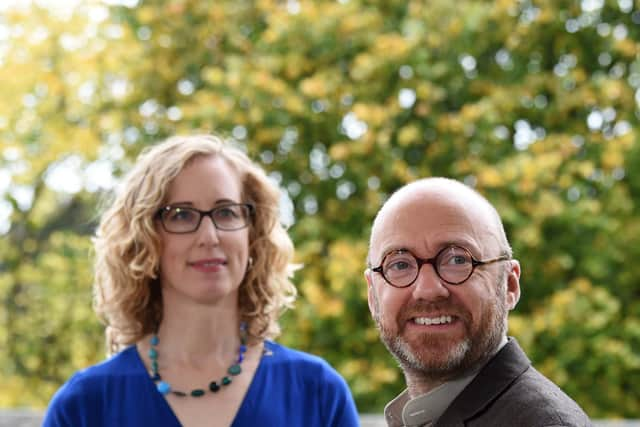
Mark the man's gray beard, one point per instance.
(401, 351)
(464, 356)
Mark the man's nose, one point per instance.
(428, 285)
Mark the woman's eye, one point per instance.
(181, 215)
(226, 213)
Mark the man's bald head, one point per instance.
(450, 192)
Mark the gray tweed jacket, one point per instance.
(509, 392)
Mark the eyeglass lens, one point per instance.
(177, 219)
(453, 264)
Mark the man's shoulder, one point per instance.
(534, 397)
(509, 391)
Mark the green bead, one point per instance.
(197, 392)
(164, 387)
(235, 370)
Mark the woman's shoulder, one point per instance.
(302, 363)
(280, 353)
(125, 362)
(120, 365)
(84, 395)
(320, 393)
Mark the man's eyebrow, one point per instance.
(465, 243)
(394, 248)
(438, 246)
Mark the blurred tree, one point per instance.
(534, 103)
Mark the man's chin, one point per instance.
(443, 360)
(431, 356)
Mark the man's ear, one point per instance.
(368, 276)
(513, 284)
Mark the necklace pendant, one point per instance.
(234, 369)
(163, 387)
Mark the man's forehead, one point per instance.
(443, 211)
(419, 199)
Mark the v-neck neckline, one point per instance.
(167, 407)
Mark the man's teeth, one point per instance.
(432, 320)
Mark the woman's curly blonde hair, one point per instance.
(127, 293)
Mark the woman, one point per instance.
(192, 273)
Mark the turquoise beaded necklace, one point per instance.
(165, 388)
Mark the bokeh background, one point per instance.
(533, 102)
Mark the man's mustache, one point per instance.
(421, 308)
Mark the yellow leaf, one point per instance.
(409, 135)
(489, 177)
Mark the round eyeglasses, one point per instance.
(182, 219)
(453, 264)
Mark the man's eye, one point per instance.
(457, 260)
(399, 265)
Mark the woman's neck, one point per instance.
(198, 334)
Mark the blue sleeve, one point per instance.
(339, 408)
(66, 408)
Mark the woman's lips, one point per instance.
(210, 265)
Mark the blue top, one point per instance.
(289, 388)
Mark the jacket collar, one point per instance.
(507, 365)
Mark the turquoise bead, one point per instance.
(163, 387)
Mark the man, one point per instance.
(441, 281)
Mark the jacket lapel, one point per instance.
(488, 385)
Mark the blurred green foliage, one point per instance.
(534, 103)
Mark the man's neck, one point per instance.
(419, 383)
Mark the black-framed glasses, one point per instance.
(453, 264)
(184, 219)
